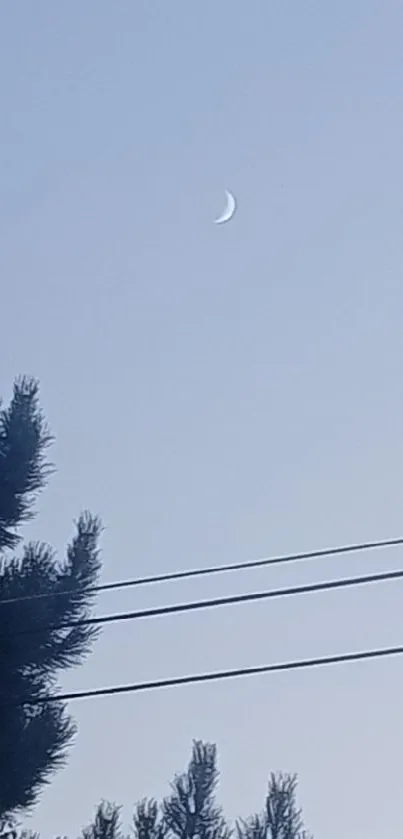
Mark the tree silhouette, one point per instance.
(33, 647)
(190, 811)
(281, 818)
(106, 824)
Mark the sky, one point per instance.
(217, 394)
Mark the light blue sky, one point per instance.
(217, 394)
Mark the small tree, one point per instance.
(191, 810)
(281, 819)
(106, 824)
(34, 737)
(147, 823)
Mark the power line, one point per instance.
(220, 675)
(215, 569)
(217, 601)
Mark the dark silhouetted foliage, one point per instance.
(34, 738)
(191, 810)
(281, 818)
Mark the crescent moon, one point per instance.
(229, 209)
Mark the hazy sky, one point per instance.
(217, 394)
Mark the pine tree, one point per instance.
(147, 822)
(34, 737)
(106, 824)
(191, 811)
(281, 818)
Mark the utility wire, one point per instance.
(215, 569)
(216, 601)
(219, 675)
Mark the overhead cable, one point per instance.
(219, 675)
(214, 569)
(197, 605)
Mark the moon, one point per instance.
(229, 210)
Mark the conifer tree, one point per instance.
(281, 817)
(34, 732)
(191, 810)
